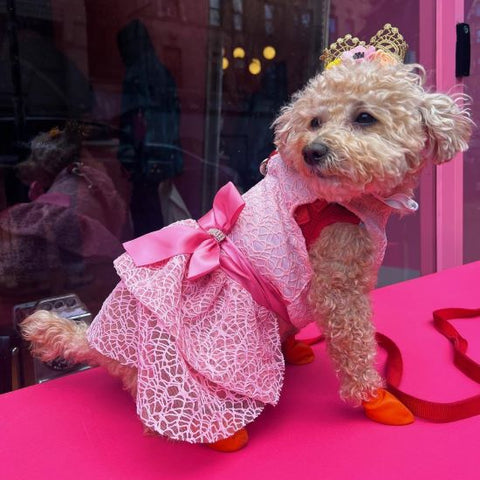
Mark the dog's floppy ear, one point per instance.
(282, 126)
(447, 124)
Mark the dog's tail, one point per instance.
(52, 337)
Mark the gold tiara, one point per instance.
(388, 39)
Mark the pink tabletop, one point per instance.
(84, 425)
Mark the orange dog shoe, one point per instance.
(387, 409)
(231, 444)
(297, 352)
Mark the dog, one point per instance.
(205, 312)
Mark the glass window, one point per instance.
(214, 14)
(120, 117)
(268, 13)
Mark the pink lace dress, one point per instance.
(208, 355)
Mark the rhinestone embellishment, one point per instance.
(217, 234)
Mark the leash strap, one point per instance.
(436, 411)
(433, 411)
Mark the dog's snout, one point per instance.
(314, 153)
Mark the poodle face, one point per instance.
(367, 128)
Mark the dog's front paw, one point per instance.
(387, 409)
(297, 352)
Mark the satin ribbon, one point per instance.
(205, 245)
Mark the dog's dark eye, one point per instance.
(315, 123)
(365, 119)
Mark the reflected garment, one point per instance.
(208, 356)
(80, 218)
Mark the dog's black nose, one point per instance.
(314, 153)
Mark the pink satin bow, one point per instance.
(205, 244)
(202, 243)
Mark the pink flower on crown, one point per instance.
(359, 54)
(384, 58)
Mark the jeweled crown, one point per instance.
(387, 39)
(344, 44)
(390, 40)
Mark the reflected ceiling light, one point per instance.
(255, 66)
(225, 63)
(269, 52)
(238, 52)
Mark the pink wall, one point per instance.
(471, 185)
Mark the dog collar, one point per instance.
(398, 201)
